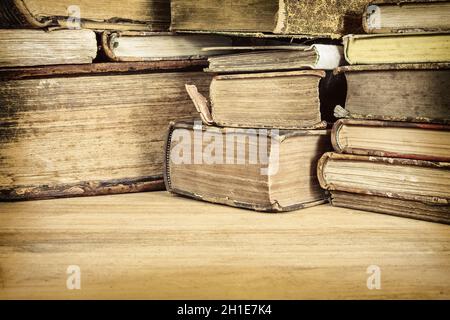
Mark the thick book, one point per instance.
(310, 18)
(283, 100)
(154, 46)
(262, 170)
(421, 141)
(397, 48)
(144, 15)
(404, 179)
(396, 207)
(405, 92)
(276, 58)
(27, 47)
(404, 17)
(101, 131)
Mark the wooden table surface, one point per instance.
(157, 246)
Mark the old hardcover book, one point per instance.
(406, 92)
(262, 170)
(404, 179)
(283, 100)
(396, 207)
(311, 18)
(149, 15)
(100, 132)
(407, 17)
(397, 48)
(420, 141)
(276, 58)
(153, 46)
(23, 48)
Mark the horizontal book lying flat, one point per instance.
(275, 58)
(312, 18)
(421, 141)
(396, 207)
(404, 179)
(259, 170)
(146, 46)
(27, 47)
(150, 15)
(408, 92)
(284, 100)
(397, 48)
(407, 17)
(83, 135)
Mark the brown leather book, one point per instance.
(311, 18)
(143, 15)
(262, 170)
(396, 207)
(420, 141)
(404, 179)
(397, 92)
(89, 130)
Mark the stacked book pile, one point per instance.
(84, 112)
(231, 102)
(392, 149)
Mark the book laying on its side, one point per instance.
(274, 58)
(404, 179)
(27, 47)
(310, 18)
(149, 15)
(421, 141)
(265, 170)
(284, 100)
(69, 134)
(396, 207)
(152, 46)
(406, 92)
(397, 48)
(407, 17)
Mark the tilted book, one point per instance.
(82, 131)
(397, 92)
(262, 170)
(145, 15)
(421, 141)
(28, 47)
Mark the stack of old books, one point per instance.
(262, 130)
(75, 121)
(393, 147)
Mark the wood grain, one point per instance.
(153, 245)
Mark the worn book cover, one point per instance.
(262, 170)
(405, 179)
(397, 92)
(68, 131)
(420, 141)
(145, 15)
(28, 47)
(396, 207)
